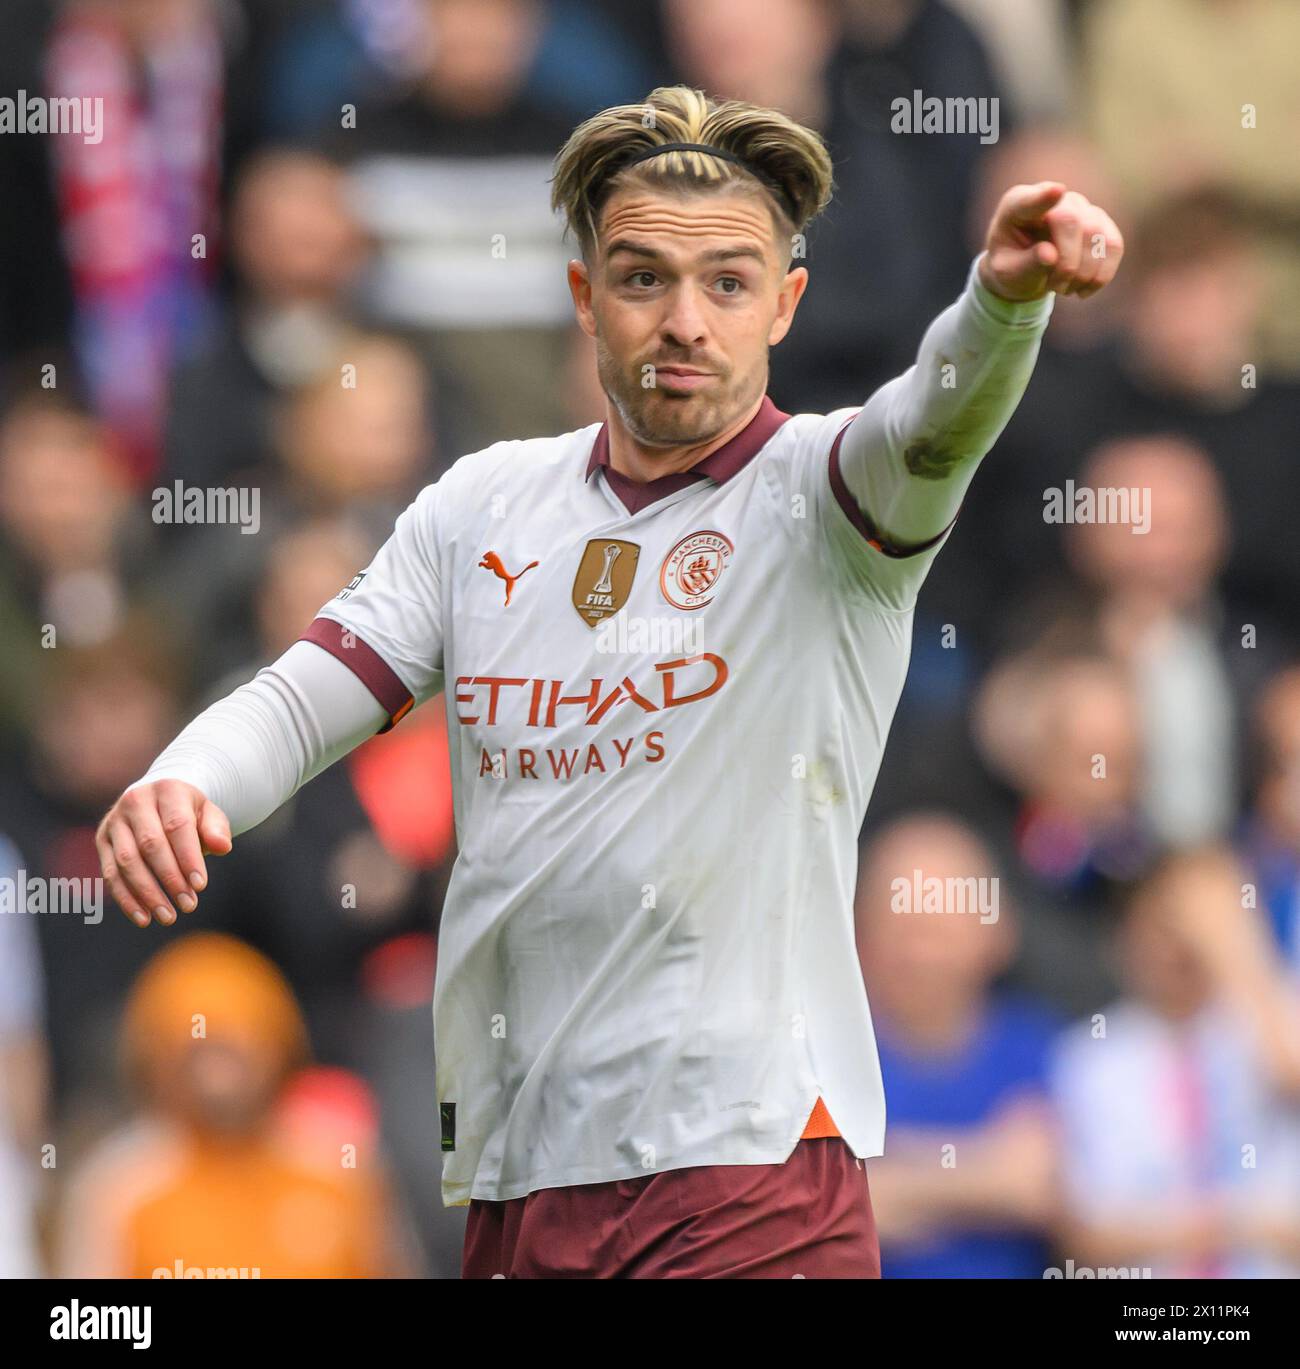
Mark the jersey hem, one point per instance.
(460, 1194)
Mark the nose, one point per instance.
(683, 325)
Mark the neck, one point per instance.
(642, 462)
(225, 1145)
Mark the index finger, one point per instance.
(1026, 204)
(180, 823)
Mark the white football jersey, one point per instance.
(666, 721)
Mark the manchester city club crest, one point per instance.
(691, 571)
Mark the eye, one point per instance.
(642, 279)
(730, 285)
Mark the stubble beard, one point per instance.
(657, 419)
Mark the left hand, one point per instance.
(1044, 237)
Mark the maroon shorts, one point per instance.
(807, 1218)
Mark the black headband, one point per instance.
(656, 149)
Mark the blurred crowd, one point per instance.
(312, 259)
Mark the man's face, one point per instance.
(224, 1087)
(684, 296)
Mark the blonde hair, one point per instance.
(777, 154)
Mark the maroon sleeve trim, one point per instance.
(855, 515)
(366, 664)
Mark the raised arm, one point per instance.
(907, 458)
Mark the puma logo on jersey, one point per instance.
(491, 561)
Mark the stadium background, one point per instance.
(414, 242)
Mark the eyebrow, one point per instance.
(640, 249)
(636, 249)
(727, 253)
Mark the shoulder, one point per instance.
(517, 468)
(797, 455)
(516, 463)
(131, 1167)
(485, 483)
(133, 1163)
(811, 433)
(803, 443)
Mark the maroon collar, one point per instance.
(729, 459)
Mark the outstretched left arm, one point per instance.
(907, 458)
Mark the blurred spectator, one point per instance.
(71, 551)
(303, 566)
(308, 566)
(1061, 727)
(1147, 560)
(451, 179)
(966, 1186)
(23, 1074)
(134, 202)
(597, 53)
(106, 712)
(354, 435)
(1065, 733)
(589, 54)
(1203, 92)
(1028, 42)
(328, 53)
(353, 438)
(1156, 610)
(35, 293)
(211, 1177)
(296, 250)
(1181, 1149)
(1194, 297)
(774, 54)
(1272, 837)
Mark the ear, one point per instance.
(787, 301)
(580, 289)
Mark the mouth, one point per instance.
(681, 378)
